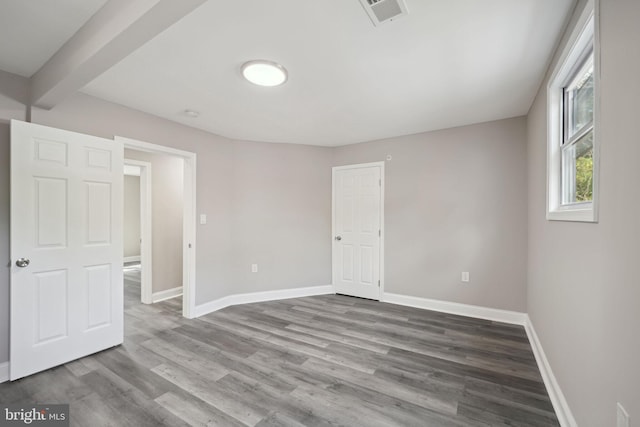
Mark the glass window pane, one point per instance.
(581, 100)
(577, 171)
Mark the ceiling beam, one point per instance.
(115, 31)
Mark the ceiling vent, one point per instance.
(382, 11)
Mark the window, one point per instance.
(577, 136)
(572, 154)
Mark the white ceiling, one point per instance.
(448, 63)
(31, 31)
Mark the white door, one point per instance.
(66, 246)
(357, 230)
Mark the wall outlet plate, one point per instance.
(254, 268)
(465, 276)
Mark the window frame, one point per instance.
(585, 62)
(569, 141)
(582, 43)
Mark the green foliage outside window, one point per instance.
(584, 177)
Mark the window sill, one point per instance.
(574, 215)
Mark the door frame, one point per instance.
(188, 217)
(335, 169)
(146, 234)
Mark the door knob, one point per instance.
(338, 238)
(22, 262)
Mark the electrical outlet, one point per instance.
(465, 276)
(203, 219)
(623, 417)
(254, 268)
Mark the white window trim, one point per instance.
(584, 32)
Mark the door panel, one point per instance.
(366, 264)
(347, 263)
(98, 295)
(66, 219)
(98, 217)
(357, 205)
(51, 212)
(51, 294)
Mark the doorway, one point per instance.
(138, 235)
(188, 203)
(358, 235)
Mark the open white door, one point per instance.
(357, 230)
(66, 246)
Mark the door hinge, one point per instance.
(189, 245)
(379, 233)
(378, 283)
(380, 183)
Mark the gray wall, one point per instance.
(131, 217)
(281, 198)
(14, 94)
(167, 190)
(455, 200)
(583, 289)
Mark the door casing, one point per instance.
(189, 217)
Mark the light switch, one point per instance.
(203, 218)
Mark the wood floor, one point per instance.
(317, 361)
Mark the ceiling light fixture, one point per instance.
(264, 73)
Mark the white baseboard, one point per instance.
(560, 405)
(227, 301)
(505, 316)
(165, 295)
(4, 372)
(131, 258)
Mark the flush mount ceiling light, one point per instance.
(264, 73)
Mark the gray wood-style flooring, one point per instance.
(317, 361)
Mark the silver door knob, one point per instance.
(22, 262)
(338, 238)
